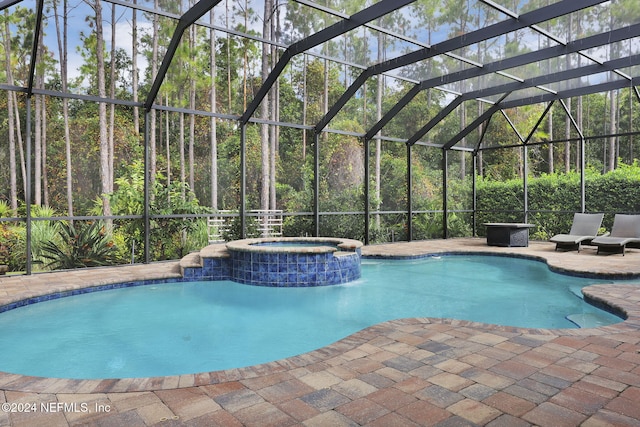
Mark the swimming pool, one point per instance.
(176, 328)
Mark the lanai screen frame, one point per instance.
(513, 22)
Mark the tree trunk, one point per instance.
(183, 171)
(613, 128)
(112, 94)
(378, 159)
(152, 114)
(192, 106)
(40, 122)
(567, 124)
(613, 106)
(264, 109)
(12, 157)
(37, 152)
(134, 68)
(304, 105)
(275, 113)
(463, 160)
(45, 179)
(550, 158)
(62, 49)
(521, 154)
(192, 137)
(567, 144)
(105, 173)
(167, 141)
(579, 118)
(479, 171)
(631, 125)
(579, 121)
(229, 105)
(245, 63)
(13, 178)
(213, 123)
(325, 91)
(550, 137)
(20, 140)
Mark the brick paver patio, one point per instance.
(409, 372)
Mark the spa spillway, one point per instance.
(295, 261)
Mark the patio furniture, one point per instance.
(625, 231)
(510, 234)
(583, 230)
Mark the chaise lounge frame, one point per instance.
(584, 229)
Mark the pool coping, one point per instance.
(623, 299)
(253, 245)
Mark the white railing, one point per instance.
(269, 223)
(217, 225)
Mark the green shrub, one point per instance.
(170, 238)
(12, 241)
(83, 245)
(42, 231)
(553, 198)
(12, 246)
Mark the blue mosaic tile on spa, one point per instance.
(192, 272)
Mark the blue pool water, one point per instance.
(180, 328)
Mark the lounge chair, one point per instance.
(625, 231)
(583, 230)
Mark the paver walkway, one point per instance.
(400, 373)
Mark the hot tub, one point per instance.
(295, 261)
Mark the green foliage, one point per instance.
(427, 226)
(5, 209)
(459, 224)
(42, 231)
(12, 241)
(616, 191)
(198, 238)
(12, 247)
(497, 200)
(170, 237)
(234, 231)
(298, 226)
(555, 197)
(348, 226)
(84, 245)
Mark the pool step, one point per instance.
(589, 320)
(577, 291)
(191, 260)
(215, 250)
(210, 263)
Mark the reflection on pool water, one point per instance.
(179, 328)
